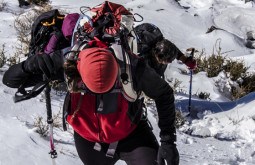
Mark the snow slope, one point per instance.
(222, 133)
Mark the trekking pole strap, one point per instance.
(22, 94)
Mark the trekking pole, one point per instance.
(52, 152)
(190, 87)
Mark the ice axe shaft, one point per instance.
(190, 86)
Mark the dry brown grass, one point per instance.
(246, 85)
(203, 95)
(39, 2)
(23, 25)
(41, 125)
(179, 119)
(236, 69)
(2, 56)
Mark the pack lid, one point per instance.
(98, 69)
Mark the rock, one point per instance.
(250, 35)
(250, 44)
(253, 117)
(202, 132)
(248, 1)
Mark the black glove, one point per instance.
(168, 151)
(44, 64)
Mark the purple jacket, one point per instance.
(67, 30)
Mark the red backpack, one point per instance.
(112, 116)
(111, 24)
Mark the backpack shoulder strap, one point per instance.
(125, 67)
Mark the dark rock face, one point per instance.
(250, 41)
(249, 1)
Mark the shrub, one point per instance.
(236, 69)
(179, 120)
(57, 119)
(201, 62)
(15, 59)
(204, 95)
(42, 126)
(2, 56)
(175, 85)
(246, 85)
(39, 2)
(213, 65)
(23, 25)
(241, 82)
(2, 5)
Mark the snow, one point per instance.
(220, 132)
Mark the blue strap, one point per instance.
(75, 28)
(77, 23)
(90, 21)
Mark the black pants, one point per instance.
(139, 148)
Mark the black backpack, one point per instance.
(148, 35)
(45, 25)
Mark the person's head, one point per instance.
(98, 69)
(164, 51)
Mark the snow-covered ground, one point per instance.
(222, 133)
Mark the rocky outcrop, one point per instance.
(250, 41)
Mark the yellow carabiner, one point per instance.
(61, 16)
(47, 23)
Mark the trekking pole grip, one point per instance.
(48, 104)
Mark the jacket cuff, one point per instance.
(168, 137)
(179, 54)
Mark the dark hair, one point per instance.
(165, 51)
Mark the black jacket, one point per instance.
(154, 64)
(158, 89)
(16, 76)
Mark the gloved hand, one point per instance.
(191, 63)
(168, 151)
(43, 64)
